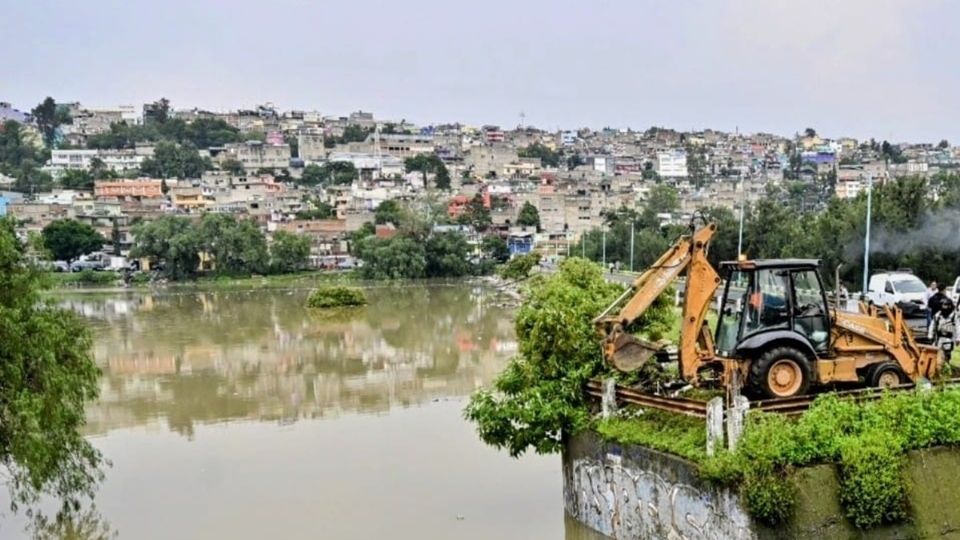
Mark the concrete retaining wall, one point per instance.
(631, 492)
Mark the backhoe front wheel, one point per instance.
(780, 372)
(885, 375)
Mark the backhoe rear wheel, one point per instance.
(780, 372)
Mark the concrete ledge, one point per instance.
(632, 492)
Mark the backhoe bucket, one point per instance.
(627, 353)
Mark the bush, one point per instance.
(89, 277)
(336, 296)
(539, 395)
(866, 440)
(520, 266)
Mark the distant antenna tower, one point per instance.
(523, 116)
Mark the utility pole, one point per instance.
(632, 224)
(604, 242)
(740, 236)
(866, 240)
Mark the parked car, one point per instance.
(60, 266)
(79, 266)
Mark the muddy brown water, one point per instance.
(241, 414)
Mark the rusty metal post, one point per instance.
(714, 425)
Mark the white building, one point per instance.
(671, 164)
(387, 165)
(255, 155)
(116, 160)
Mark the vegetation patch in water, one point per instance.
(336, 296)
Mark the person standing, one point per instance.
(928, 294)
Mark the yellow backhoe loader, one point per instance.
(776, 334)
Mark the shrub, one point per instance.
(89, 277)
(520, 266)
(336, 296)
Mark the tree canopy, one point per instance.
(429, 164)
(529, 215)
(21, 159)
(476, 214)
(548, 157)
(49, 116)
(289, 252)
(174, 160)
(68, 239)
(48, 374)
(539, 396)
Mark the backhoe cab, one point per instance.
(775, 313)
(776, 335)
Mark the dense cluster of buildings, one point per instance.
(571, 177)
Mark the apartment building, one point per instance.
(671, 164)
(139, 188)
(115, 160)
(255, 155)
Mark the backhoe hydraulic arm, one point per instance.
(627, 352)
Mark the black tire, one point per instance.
(786, 359)
(880, 375)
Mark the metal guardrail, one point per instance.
(787, 406)
(624, 394)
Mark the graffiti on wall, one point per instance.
(627, 502)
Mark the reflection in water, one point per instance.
(85, 524)
(261, 355)
(237, 375)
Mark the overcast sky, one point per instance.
(887, 69)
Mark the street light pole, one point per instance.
(866, 240)
(604, 242)
(740, 237)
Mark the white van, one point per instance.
(892, 288)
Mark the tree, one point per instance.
(320, 210)
(68, 239)
(496, 248)
(22, 159)
(77, 179)
(476, 214)
(809, 132)
(49, 374)
(208, 132)
(662, 199)
(520, 266)
(49, 116)
(172, 160)
(548, 157)
(157, 112)
(312, 175)
(289, 252)
(389, 211)
(392, 258)
(237, 246)
(171, 241)
(232, 166)
(529, 216)
(575, 161)
(538, 398)
(447, 255)
(429, 164)
(115, 238)
(330, 173)
(943, 144)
